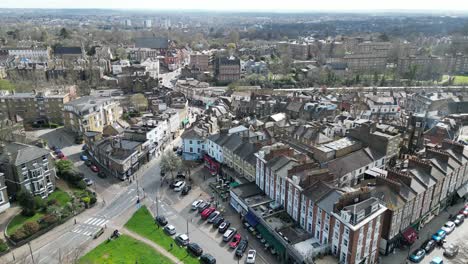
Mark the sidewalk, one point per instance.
(400, 255)
(152, 244)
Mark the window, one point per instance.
(345, 242)
(190, 142)
(198, 150)
(191, 149)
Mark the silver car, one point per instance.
(170, 229)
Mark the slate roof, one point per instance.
(328, 201)
(391, 199)
(191, 134)
(22, 153)
(152, 43)
(233, 142)
(317, 191)
(294, 106)
(68, 51)
(349, 163)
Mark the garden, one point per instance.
(38, 215)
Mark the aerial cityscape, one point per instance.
(233, 132)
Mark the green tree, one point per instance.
(27, 202)
(64, 33)
(139, 102)
(63, 166)
(170, 162)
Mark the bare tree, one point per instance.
(170, 162)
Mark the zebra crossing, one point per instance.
(90, 226)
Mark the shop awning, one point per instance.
(410, 235)
(271, 239)
(462, 191)
(251, 219)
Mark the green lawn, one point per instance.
(460, 80)
(124, 250)
(62, 197)
(143, 224)
(19, 220)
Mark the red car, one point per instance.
(207, 212)
(464, 212)
(94, 168)
(235, 241)
(60, 155)
(64, 157)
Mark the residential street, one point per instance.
(116, 204)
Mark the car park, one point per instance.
(213, 216)
(251, 254)
(161, 220)
(170, 230)
(194, 249)
(227, 236)
(88, 181)
(178, 186)
(224, 226)
(207, 259)
(207, 212)
(182, 239)
(439, 235)
(448, 227)
(83, 157)
(218, 221)
(94, 168)
(417, 255)
(235, 241)
(203, 206)
(195, 204)
(458, 219)
(242, 247)
(186, 189)
(451, 250)
(429, 246)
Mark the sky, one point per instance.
(256, 5)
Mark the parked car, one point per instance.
(235, 241)
(88, 181)
(251, 254)
(60, 155)
(179, 186)
(207, 212)
(439, 235)
(170, 230)
(437, 260)
(94, 168)
(458, 219)
(88, 163)
(417, 255)
(84, 147)
(207, 259)
(224, 226)
(161, 220)
(201, 207)
(196, 203)
(229, 234)
(451, 250)
(464, 212)
(173, 184)
(182, 239)
(186, 190)
(242, 247)
(218, 221)
(57, 151)
(83, 157)
(101, 175)
(448, 227)
(195, 249)
(429, 246)
(213, 216)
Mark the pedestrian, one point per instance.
(172, 246)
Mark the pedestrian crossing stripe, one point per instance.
(96, 221)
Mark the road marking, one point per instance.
(87, 221)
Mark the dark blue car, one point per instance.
(417, 255)
(83, 157)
